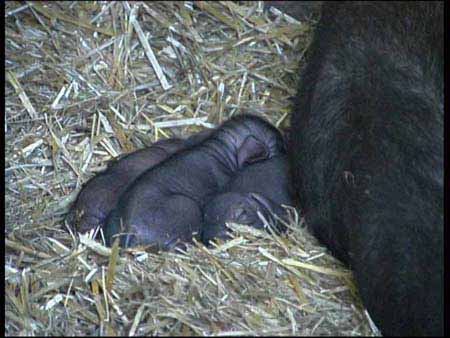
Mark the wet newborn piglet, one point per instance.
(100, 194)
(164, 205)
(258, 188)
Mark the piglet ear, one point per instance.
(251, 151)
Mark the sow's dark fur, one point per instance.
(165, 204)
(367, 154)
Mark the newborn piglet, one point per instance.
(100, 194)
(164, 205)
(258, 188)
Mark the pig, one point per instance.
(163, 207)
(367, 155)
(101, 193)
(261, 187)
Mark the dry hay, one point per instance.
(87, 81)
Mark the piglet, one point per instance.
(261, 187)
(164, 205)
(100, 194)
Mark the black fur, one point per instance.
(367, 154)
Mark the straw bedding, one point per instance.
(88, 81)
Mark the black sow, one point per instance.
(367, 154)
